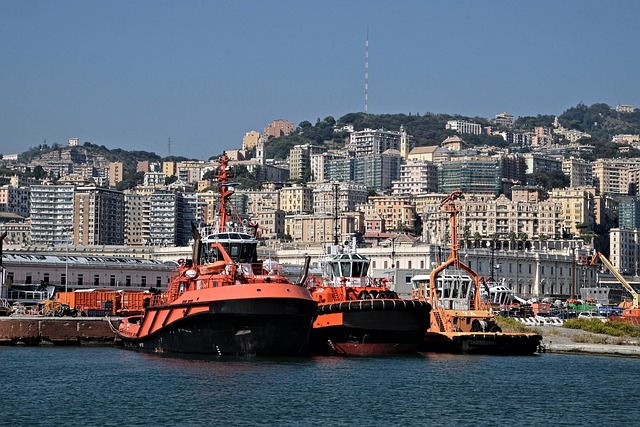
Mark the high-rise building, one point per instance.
(416, 178)
(629, 213)
(477, 175)
(116, 173)
(300, 160)
(624, 250)
(51, 214)
(577, 208)
(15, 199)
(369, 141)
(98, 216)
(579, 172)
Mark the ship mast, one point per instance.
(223, 174)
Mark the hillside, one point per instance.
(599, 120)
(89, 153)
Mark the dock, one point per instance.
(38, 330)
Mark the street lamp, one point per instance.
(490, 246)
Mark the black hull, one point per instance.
(261, 327)
(482, 343)
(372, 327)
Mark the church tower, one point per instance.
(404, 143)
(261, 154)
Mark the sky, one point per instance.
(134, 74)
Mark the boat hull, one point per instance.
(369, 327)
(253, 326)
(498, 343)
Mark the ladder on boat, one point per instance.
(439, 321)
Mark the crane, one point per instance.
(592, 260)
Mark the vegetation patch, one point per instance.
(596, 326)
(509, 324)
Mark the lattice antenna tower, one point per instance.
(169, 147)
(366, 73)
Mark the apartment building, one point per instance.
(277, 129)
(416, 178)
(470, 175)
(250, 140)
(629, 213)
(191, 171)
(136, 209)
(578, 207)
(464, 127)
(369, 141)
(296, 199)
(538, 162)
(624, 250)
(319, 163)
(397, 212)
(579, 171)
(484, 216)
(376, 172)
(15, 199)
(116, 173)
(98, 216)
(542, 137)
(300, 160)
(503, 119)
(332, 198)
(51, 213)
(163, 227)
(314, 229)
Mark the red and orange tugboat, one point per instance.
(360, 316)
(463, 321)
(224, 301)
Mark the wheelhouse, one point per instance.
(241, 247)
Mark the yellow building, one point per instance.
(250, 140)
(116, 173)
(296, 199)
(169, 168)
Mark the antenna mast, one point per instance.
(335, 213)
(366, 73)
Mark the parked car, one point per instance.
(591, 315)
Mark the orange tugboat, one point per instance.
(463, 322)
(360, 316)
(224, 301)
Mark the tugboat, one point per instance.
(464, 322)
(361, 316)
(224, 301)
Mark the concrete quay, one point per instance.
(565, 341)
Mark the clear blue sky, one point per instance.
(131, 74)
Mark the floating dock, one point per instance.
(34, 330)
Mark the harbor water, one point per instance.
(106, 386)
